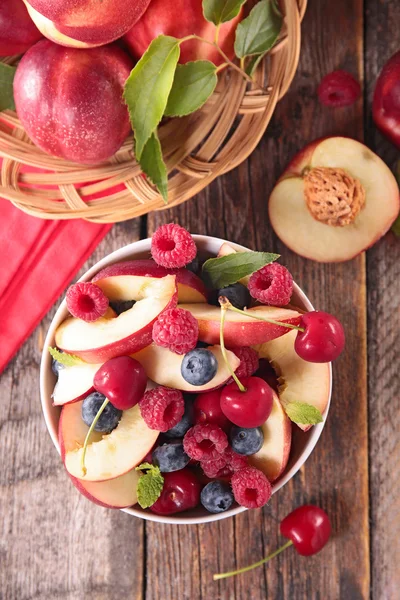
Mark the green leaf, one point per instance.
(68, 360)
(221, 11)
(259, 32)
(148, 87)
(150, 485)
(302, 413)
(7, 74)
(193, 84)
(153, 165)
(223, 271)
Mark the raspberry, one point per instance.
(162, 408)
(86, 301)
(273, 284)
(172, 246)
(225, 465)
(338, 88)
(205, 442)
(249, 361)
(251, 488)
(177, 330)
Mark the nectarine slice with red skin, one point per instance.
(74, 383)
(128, 280)
(296, 226)
(241, 330)
(115, 493)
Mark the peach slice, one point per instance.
(299, 381)
(115, 453)
(131, 331)
(164, 367)
(335, 200)
(128, 281)
(74, 383)
(240, 330)
(115, 493)
(272, 458)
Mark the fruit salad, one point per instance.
(180, 379)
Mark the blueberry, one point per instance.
(170, 457)
(216, 496)
(56, 367)
(194, 266)
(246, 441)
(121, 307)
(199, 366)
(184, 424)
(109, 418)
(202, 345)
(237, 294)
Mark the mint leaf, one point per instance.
(302, 413)
(259, 32)
(193, 84)
(68, 360)
(153, 165)
(221, 11)
(223, 271)
(150, 485)
(7, 74)
(148, 87)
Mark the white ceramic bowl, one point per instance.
(302, 443)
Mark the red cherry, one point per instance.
(323, 339)
(122, 380)
(181, 492)
(207, 409)
(308, 527)
(250, 408)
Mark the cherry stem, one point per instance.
(89, 433)
(254, 565)
(229, 306)
(224, 56)
(223, 350)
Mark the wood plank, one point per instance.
(235, 207)
(55, 544)
(383, 272)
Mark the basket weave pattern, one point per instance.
(197, 148)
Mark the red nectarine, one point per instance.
(70, 101)
(85, 23)
(180, 18)
(17, 30)
(386, 105)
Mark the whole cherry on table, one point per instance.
(308, 528)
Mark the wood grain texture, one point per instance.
(383, 272)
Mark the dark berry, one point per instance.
(56, 367)
(185, 423)
(170, 457)
(202, 344)
(199, 366)
(181, 491)
(237, 294)
(109, 418)
(120, 307)
(246, 441)
(216, 497)
(194, 266)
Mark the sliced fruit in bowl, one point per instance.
(335, 200)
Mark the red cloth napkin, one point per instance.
(38, 259)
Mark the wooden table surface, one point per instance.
(56, 545)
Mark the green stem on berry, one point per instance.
(254, 565)
(89, 433)
(229, 306)
(223, 350)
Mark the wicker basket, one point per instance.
(197, 148)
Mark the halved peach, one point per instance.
(336, 199)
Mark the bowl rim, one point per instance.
(124, 253)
